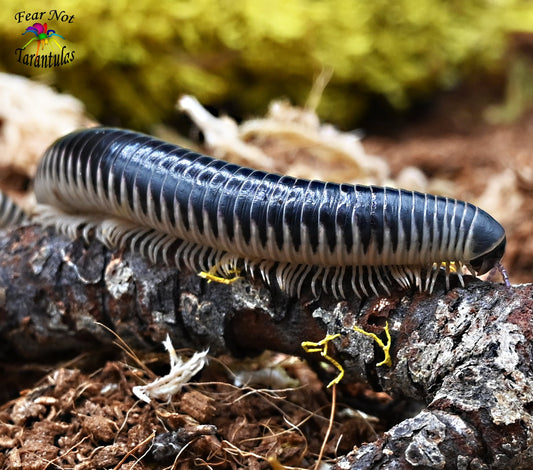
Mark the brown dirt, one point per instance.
(79, 421)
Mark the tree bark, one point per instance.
(465, 352)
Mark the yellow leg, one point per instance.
(386, 347)
(212, 275)
(322, 348)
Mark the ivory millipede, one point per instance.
(184, 208)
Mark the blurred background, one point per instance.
(424, 94)
(133, 59)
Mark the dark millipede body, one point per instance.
(10, 213)
(173, 204)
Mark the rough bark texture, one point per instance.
(465, 353)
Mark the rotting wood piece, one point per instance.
(465, 352)
(53, 291)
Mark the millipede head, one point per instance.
(484, 263)
(487, 243)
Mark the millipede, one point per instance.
(10, 213)
(183, 208)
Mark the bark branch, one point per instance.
(465, 352)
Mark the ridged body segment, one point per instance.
(10, 213)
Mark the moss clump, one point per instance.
(133, 59)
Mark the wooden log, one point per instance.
(465, 352)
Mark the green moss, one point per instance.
(133, 59)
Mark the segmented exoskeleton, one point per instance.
(182, 207)
(10, 213)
